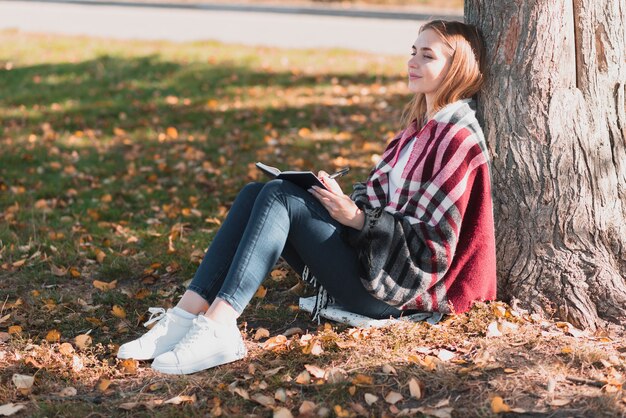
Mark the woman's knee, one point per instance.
(252, 188)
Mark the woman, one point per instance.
(417, 235)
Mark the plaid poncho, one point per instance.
(434, 248)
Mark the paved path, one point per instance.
(291, 30)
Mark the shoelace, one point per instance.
(156, 315)
(193, 334)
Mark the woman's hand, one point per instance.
(338, 205)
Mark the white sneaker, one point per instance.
(163, 336)
(207, 344)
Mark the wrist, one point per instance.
(359, 219)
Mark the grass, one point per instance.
(119, 161)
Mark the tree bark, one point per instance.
(554, 115)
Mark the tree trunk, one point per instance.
(554, 116)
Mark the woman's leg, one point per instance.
(216, 262)
(174, 324)
(287, 214)
(336, 267)
(280, 210)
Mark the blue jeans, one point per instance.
(274, 219)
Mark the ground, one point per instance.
(119, 162)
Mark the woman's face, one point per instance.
(429, 63)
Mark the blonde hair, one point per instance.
(465, 75)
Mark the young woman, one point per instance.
(417, 235)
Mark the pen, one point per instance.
(339, 173)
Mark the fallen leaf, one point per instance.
(4, 336)
(307, 408)
(263, 399)
(280, 395)
(77, 364)
(282, 413)
(177, 400)
(118, 312)
(498, 406)
(445, 355)
(415, 388)
(104, 285)
(493, 331)
(293, 331)
(362, 379)
(303, 378)
(53, 336)
(275, 343)
(341, 412)
(11, 408)
(241, 392)
(315, 371)
(129, 365)
(393, 397)
(100, 256)
(15, 329)
(261, 333)
(389, 369)
(370, 399)
(560, 402)
(272, 372)
(336, 375)
(260, 292)
(66, 349)
(103, 384)
(67, 392)
(82, 341)
(19, 263)
(58, 271)
(23, 382)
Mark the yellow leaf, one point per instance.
(106, 198)
(566, 350)
(19, 263)
(66, 349)
(498, 406)
(363, 379)
(171, 132)
(82, 341)
(118, 311)
(104, 285)
(260, 292)
(53, 336)
(303, 378)
(261, 333)
(275, 343)
(103, 384)
(15, 329)
(100, 255)
(142, 293)
(129, 365)
(341, 412)
(74, 272)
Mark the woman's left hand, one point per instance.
(338, 205)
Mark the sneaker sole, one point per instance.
(125, 355)
(207, 363)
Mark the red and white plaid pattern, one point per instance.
(433, 248)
